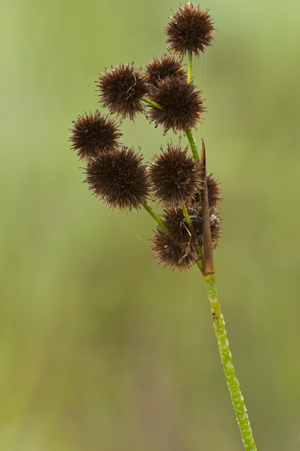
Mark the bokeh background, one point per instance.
(101, 349)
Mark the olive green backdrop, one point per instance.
(100, 348)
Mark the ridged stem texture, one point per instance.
(192, 142)
(226, 357)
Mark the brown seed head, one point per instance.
(176, 223)
(157, 70)
(175, 176)
(177, 248)
(181, 103)
(121, 89)
(190, 28)
(214, 191)
(93, 134)
(119, 179)
(169, 253)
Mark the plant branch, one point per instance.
(192, 142)
(190, 63)
(155, 216)
(150, 102)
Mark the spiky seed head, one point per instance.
(214, 191)
(171, 254)
(121, 90)
(157, 70)
(175, 221)
(177, 249)
(93, 134)
(175, 176)
(189, 29)
(182, 105)
(119, 179)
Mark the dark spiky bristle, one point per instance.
(119, 179)
(177, 248)
(121, 89)
(157, 70)
(178, 229)
(189, 29)
(182, 105)
(93, 134)
(214, 191)
(175, 176)
(171, 254)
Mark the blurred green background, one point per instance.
(100, 348)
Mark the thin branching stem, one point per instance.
(190, 63)
(188, 131)
(155, 216)
(150, 102)
(192, 142)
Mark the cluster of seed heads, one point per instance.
(117, 175)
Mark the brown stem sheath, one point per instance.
(208, 265)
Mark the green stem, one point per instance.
(192, 142)
(155, 216)
(200, 265)
(188, 132)
(226, 357)
(150, 102)
(190, 62)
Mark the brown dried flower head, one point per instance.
(171, 254)
(175, 176)
(119, 179)
(178, 229)
(182, 105)
(157, 70)
(121, 89)
(189, 29)
(177, 248)
(214, 191)
(93, 134)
